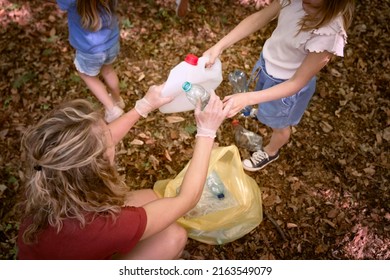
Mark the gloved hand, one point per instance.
(152, 100)
(208, 120)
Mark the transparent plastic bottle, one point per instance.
(195, 92)
(193, 70)
(245, 138)
(240, 83)
(215, 185)
(238, 80)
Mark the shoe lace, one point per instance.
(259, 156)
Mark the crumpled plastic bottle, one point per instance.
(246, 139)
(215, 185)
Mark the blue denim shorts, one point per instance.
(283, 112)
(90, 64)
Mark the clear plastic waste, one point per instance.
(193, 70)
(238, 80)
(240, 83)
(246, 139)
(195, 92)
(215, 185)
(215, 197)
(249, 111)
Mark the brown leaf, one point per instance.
(329, 223)
(141, 77)
(128, 73)
(137, 142)
(326, 127)
(369, 170)
(143, 135)
(332, 213)
(271, 200)
(174, 134)
(52, 32)
(322, 248)
(167, 155)
(174, 119)
(386, 134)
(291, 225)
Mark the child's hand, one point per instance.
(238, 100)
(262, 3)
(212, 53)
(259, 3)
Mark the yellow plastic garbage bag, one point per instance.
(223, 220)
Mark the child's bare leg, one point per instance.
(279, 138)
(98, 89)
(111, 79)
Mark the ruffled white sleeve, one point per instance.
(331, 38)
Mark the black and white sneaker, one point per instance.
(258, 160)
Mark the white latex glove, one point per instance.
(208, 120)
(151, 101)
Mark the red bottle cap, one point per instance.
(235, 122)
(191, 59)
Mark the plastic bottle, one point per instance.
(215, 185)
(239, 82)
(195, 92)
(249, 111)
(245, 138)
(192, 70)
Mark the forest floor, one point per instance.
(326, 197)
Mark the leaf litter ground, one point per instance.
(326, 197)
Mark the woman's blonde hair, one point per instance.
(94, 13)
(329, 11)
(68, 175)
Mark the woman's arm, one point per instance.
(121, 126)
(310, 67)
(163, 212)
(152, 100)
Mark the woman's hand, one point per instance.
(152, 100)
(211, 117)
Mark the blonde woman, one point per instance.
(76, 206)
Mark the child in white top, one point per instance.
(308, 34)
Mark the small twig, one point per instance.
(276, 225)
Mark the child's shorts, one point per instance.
(90, 64)
(283, 112)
